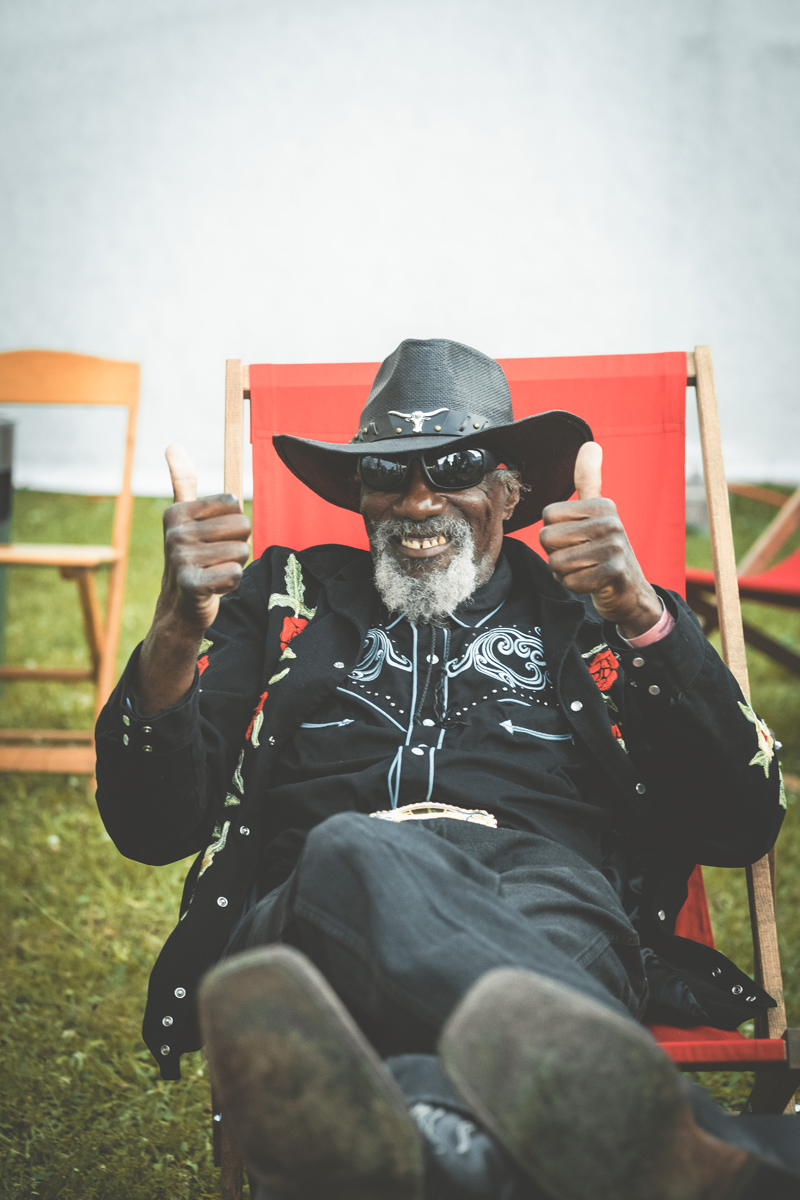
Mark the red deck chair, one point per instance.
(778, 585)
(635, 405)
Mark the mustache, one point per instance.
(454, 529)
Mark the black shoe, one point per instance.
(316, 1113)
(585, 1101)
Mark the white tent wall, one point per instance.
(313, 180)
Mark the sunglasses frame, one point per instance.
(490, 463)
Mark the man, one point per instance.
(464, 792)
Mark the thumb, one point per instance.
(588, 479)
(182, 472)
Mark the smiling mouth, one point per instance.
(424, 543)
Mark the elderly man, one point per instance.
(445, 798)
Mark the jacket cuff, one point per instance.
(164, 732)
(670, 665)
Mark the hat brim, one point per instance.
(543, 447)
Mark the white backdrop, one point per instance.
(302, 180)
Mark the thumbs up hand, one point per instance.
(205, 549)
(588, 551)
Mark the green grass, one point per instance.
(84, 1114)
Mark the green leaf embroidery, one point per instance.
(782, 794)
(596, 650)
(278, 677)
(288, 653)
(206, 644)
(220, 838)
(231, 801)
(237, 774)
(766, 742)
(258, 721)
(295, 595)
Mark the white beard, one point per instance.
(427, 598)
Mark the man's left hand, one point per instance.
(589, 551)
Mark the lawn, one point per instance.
(84, 1113)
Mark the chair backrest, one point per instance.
(59, 377)
(635, 404)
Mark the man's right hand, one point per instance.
(205, 549)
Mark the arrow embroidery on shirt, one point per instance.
(547, 737)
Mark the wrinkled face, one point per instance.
(432, 549)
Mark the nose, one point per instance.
(418, 501)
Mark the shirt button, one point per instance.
(641, 789)
(416, 750)
(427, 721)
(166, 1021)
(165, 1050)
(638, 661)
(125, 739)
(125, 720)
(662, 916)
(180, 993)
(576, 705)
(222, 901)
(654, 689)
(339, 665)
(737, 989)
(244, 831)
(147, 749)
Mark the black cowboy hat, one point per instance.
(433, 394)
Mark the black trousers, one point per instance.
(402, 919)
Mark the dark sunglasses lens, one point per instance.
(382, 474)
(461, 469)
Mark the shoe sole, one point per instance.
(311, 1104)
(582, 1099)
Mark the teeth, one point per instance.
(424, 543)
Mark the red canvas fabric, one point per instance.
(635, 404)
(779, 585)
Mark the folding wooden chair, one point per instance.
(636, 406)
(779, 585)
(53, 377)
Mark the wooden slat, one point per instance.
(781, 528)
(57, 377)
(234, 417)
(41, 554)
(60, 760)
(80, 736)
(753, 492)
(246, 380)
(759, 882)
(47, 674)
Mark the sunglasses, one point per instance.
(449, 472)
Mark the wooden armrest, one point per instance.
(35, 554)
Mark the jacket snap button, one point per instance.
(147, 729)
(166, 1021)
(654, 689)
(662, 916)
(244, 831)
(271, 741)
(638, 661)
(180, 993)
(125, 720)
(576, 705)
(222, 901)
(165, 1050)
(717, 972)
(641, 789)
(147, 749)
(339, 665)
(125, 739)
(737, 989)
(749, 999)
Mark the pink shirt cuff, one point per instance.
(662, 627)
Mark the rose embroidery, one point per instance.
(604, 668)
(202, 663)
(254, 727)
(291, 627)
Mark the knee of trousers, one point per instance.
(351, 840)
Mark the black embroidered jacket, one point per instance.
(684, 766)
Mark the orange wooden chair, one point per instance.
(778, 585)
(52, 377)
(635, 405)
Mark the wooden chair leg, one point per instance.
(231, 1167)
(90, 609)
(773, 1091)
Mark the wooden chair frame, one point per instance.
(54, 377)
(776, 1083)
